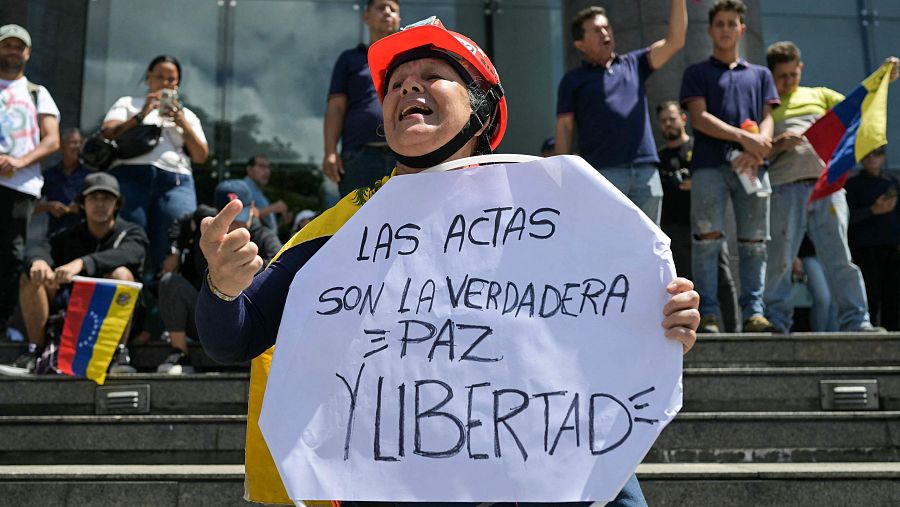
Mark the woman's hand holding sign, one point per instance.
(231, 256)
(682, 315)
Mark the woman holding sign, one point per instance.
(442, 101)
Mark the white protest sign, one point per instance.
(485, 334)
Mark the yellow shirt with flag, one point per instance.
(798, 110)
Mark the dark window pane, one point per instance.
(281, 71)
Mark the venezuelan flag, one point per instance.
(850, 131)
(99, 310)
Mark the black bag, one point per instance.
(137, 141)
(98, 152)
(47, 363)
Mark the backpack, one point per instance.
(47, 362)
(33, 90)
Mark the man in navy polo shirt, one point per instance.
(605, 99)
(62, 184)
(721, 94)
(353, 111)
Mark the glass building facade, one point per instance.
(257, 71)
(842, 41)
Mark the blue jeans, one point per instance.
(364, 166)
(154, 199)
(823, 314)
(15, 212)
(710, 191)
(641, 184)
(825, 221)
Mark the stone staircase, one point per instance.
(752, 431)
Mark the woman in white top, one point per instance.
(158, 186)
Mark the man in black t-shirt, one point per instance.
(674, 159)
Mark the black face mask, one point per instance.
(481, 115)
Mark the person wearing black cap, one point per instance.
(183, 269)
(102, 245)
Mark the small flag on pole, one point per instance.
(99, 310)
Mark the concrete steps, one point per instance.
(206, 393)
(751, 432)
(751, 437)
(755, 484)
(711, 437)
(133, 439)
(114, 485)
(144, 357)
(795, 350)
(728, 485)
(706, 390)
(711, 351)
(778, 388)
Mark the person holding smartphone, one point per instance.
(158, 185)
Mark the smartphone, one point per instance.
(167, 98)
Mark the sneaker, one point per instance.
(121, 362)
(867, 327)
(178, 363)
(708, 324)
(25, 363)
(758, 324)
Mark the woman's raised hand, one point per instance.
(231, 256)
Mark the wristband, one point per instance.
(219, 294)
(139, 118)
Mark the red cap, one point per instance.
(431, 32)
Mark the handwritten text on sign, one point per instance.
(478, 335)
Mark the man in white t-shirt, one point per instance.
(29, 132)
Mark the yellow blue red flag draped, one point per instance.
(850, 131)
(98, 312)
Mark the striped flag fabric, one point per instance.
(850, 131)
(99, 310)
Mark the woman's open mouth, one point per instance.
(415, 109)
